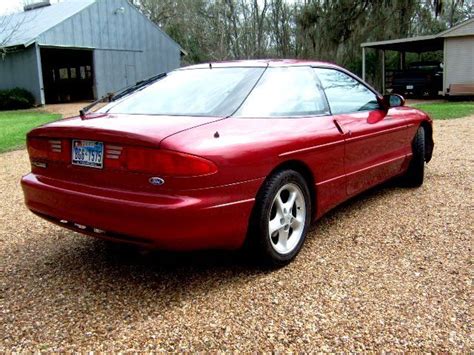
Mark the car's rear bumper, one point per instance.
(415, 88)
(412, 87)
(208, 218)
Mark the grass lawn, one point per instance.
(15, 124)
(447, 110)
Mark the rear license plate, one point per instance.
(409, 87)
(87, 153)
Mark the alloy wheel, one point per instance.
(287, 217)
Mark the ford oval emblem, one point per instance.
(156, 180)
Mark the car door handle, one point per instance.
(340, 129)
(338, 126)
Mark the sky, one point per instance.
(7, 6)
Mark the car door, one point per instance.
(291, 105)
(375, 140)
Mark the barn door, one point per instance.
(68, 74)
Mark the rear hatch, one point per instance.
(128, 153)
(145, 130)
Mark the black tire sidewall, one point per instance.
(263, 205)
(416, 170)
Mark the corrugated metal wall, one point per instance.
(127, 46)
(458, 60)
(20, 69)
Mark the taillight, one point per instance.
(113, 157)
(129, 158)
(47, 149)
(168, 163)
(37, 148)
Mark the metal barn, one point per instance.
(456, 44)
(82, 49)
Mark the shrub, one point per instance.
(16, 98)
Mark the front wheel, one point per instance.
(281, 218)
(416, 170)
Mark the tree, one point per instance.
(9, 26)
(331, 30)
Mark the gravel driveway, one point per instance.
(389, 270)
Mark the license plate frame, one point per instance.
(87, 153)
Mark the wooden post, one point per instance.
(402, 60)
(363, 63)
(383, 72)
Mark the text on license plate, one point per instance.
(87, 153)
(409, 87)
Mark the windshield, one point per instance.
(192, 92)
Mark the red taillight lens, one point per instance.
(168, 163)
(37, 148)
(138, 159)
(47, 149)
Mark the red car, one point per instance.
(216, 155)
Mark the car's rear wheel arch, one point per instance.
(284, 176)
(305, 171)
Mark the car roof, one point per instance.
(261, 63)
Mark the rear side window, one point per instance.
(284, 92)
(346, 94)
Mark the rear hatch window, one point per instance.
(191, 92)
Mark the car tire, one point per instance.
(416, 170)
(280, 219)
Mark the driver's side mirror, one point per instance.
(394, 100)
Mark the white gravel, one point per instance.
(390, 270)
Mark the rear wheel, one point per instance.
(281, 218)
(416, 170)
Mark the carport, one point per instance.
(417, 45)
(457, 44)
